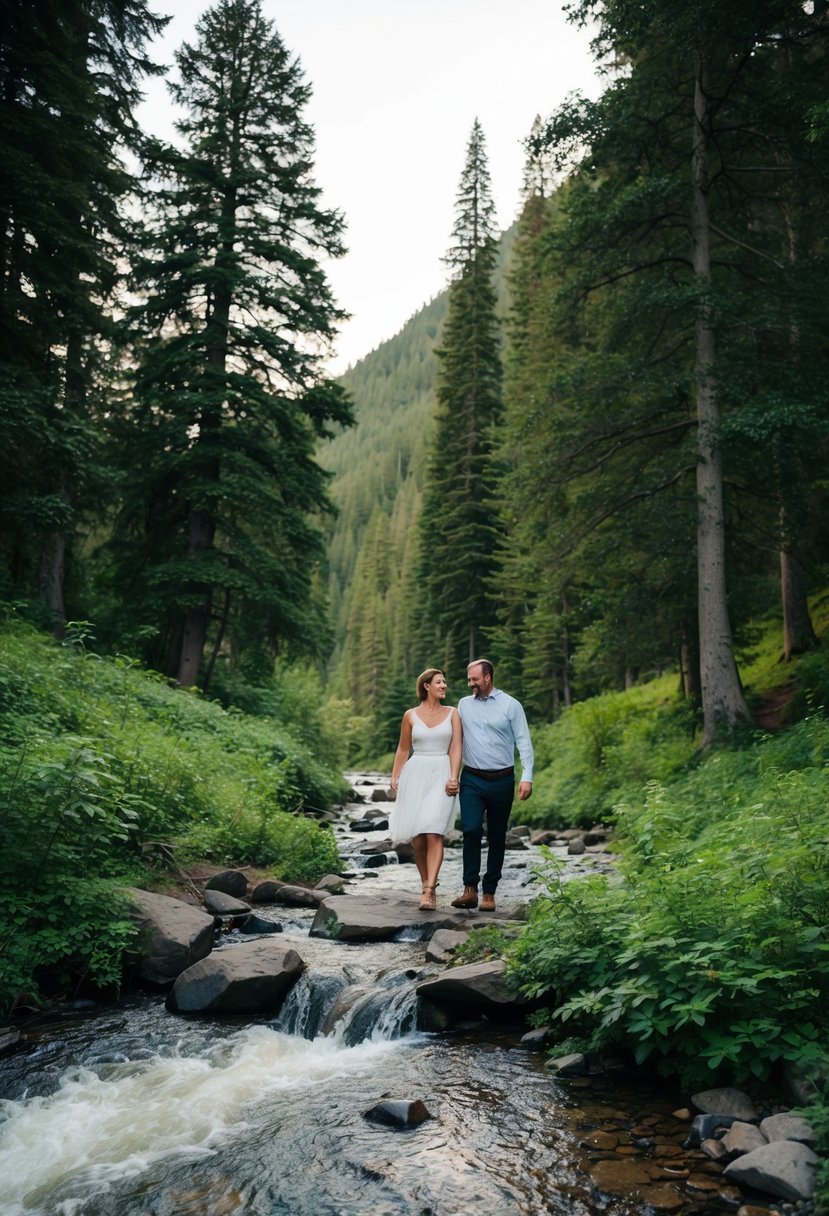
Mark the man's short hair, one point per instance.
(485, 666)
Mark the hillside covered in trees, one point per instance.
(657, 460)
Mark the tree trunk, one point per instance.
(798, 633)
(688, 667)
(723, 703)
(220, 633)
(197, 616)
(51, 580)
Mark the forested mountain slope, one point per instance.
(377, 468)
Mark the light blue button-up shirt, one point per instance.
(493, 727)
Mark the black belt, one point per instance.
(490, 774)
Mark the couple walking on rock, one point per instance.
(482, 734)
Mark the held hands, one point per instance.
(525, 789)
(451, 786)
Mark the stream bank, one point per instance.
(137, 1111)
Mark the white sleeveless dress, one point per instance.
(422, 804)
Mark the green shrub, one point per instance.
(100, 761)
(601, 748)
(710, 951)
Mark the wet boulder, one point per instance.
(224, 905)
(786, 1126)
(784, 1168)
(398, 1113)
(298, 897)
(258, 924)
(171, 935)
(444, 943)
(378, 918)
(229, 882)
(475, 988)
(330, 883)
(742, 1138)
(254, 978)
(265, 892)
(573, 1065)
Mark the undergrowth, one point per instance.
(100, 763)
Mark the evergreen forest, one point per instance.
(599, 457)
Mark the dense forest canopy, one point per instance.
(642, 471)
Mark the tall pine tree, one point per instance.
(459, 527)
(218, 532)
(70, 80)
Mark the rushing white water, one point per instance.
(114, 1123)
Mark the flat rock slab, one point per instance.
(253, 978)
(171, 936)
(785, 1169)
(788, 1127)
(378, 918)
(475, 986)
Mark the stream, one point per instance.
(134, 1111)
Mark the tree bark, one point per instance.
(798, 633)
(52, 562)
(723, 704)
(197, 616)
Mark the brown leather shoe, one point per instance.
(487, 902)
(469, 899)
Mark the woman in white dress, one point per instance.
(425, 778)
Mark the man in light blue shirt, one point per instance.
(494, 725)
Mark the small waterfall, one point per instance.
(308, 1004)
(379, 1013)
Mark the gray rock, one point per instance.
(405, 852)
(171, 935)
(542, 836)
(375, 861)
(265, 891)
(786, 1126)
(743, 1138)
(574, 1065)
(370, 825)
(381, 795)
(257, 924)
(537, 1039)
(475, 987)
(726, 1102)
(444, 943)
(596, 835)
(374, 918)
(224, 905)
(397, 1113)
(521, 829)
(515, 843)
(785, 1169)
(332, 883)
(576, 847)
(253, 978)
(715, 1149)
(230, 882)
(298, 897)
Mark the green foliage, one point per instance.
(100, 762)
(605, 746)
(711, 955)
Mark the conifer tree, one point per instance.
(223, 486)
(70, 80)
(458, 524)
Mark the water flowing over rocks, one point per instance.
(360, 967)
(253, 978)
(171, 936)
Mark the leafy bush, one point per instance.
(99, 761)
(600, 749)
(710, 952)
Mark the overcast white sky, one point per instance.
(397, 85)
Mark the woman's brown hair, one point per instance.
(425, 678)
